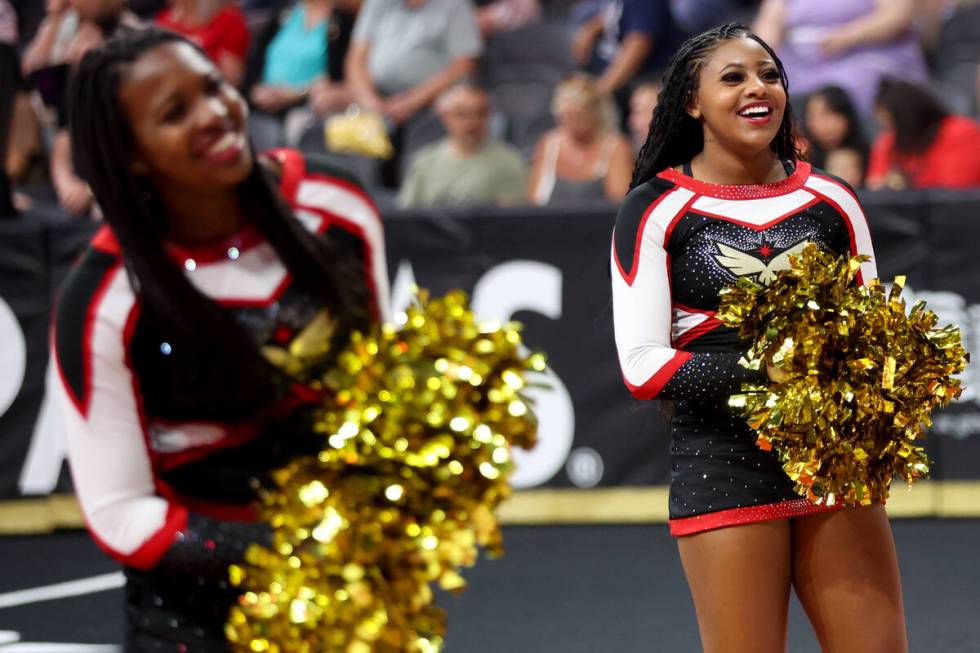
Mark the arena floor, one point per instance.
(581, 589)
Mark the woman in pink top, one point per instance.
(922, 145)
(217, 26)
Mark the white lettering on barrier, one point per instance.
(13, 357)
(504, 290)
(951, 308)
(532, 286)
(48, 449)
(402, 287)
(49, 443)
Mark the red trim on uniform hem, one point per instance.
(656, 383)
(746, 515)
(758, 227)
(741, 191)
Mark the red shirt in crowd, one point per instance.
(226, 33)
(952, 161)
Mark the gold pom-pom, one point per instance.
(417, 431)
(358, 132)
(863, 375)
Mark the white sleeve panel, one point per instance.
(642, 316)
(108, 455)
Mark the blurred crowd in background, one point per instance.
(512, 102)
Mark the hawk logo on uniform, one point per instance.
(744, 264)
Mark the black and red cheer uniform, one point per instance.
(165, 481)
(677, 243)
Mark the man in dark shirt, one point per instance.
(624, 40)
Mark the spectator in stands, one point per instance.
(625, 39)
(8, 23)
(259, 5)
(504, 15)
(405, 53)
(146, 9)
(922, 145)
(584, 157)
(642, 103)
(847, 43)
(22, 178)
(20, 130)
(835, 141)
(695, 16)
(70, 29)
(332, 93)
(217, 26)
(466, 167)
(9, 91)
(291, 58)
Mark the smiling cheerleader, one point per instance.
(210, 253)
(719, 192)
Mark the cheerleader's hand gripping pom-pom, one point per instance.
(862, 376)
(417, 425)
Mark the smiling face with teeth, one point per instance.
(740, 100)
(187, 122)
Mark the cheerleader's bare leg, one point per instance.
(845, 573)
(740, 580)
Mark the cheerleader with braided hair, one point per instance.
(719, 191)
(210, 254)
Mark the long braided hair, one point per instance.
(674, 136)
(212, 356)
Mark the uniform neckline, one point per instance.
(791, 183)
(227, 248)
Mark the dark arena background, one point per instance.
(590, 565)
